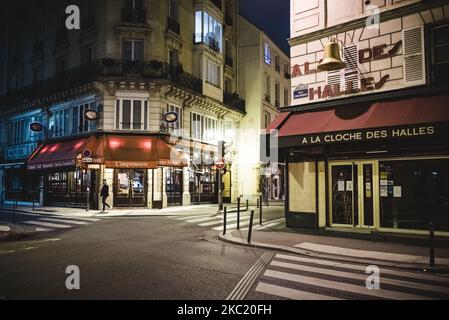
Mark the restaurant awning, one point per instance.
(145, 152)
(115, 151)
(61, 154)
(403, 118)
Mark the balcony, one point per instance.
(217, 3)
(173, 25)
(277, 67)
(134, 15)
(207, 40)
(267, 98)
(233, 100)
(104, 68)
(229, 61)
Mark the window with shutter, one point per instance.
(414, 60)
(351, 72)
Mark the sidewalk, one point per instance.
(344, 249)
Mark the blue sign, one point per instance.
(301, 91)
(20, 152)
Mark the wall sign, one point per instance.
(301, 91)
(20, 152)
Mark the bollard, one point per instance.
(247, 204)
(260, 222)
(257, 203)
(224, 220)
(431, 245)
(250, 230)
(34, 198)
(238, 213)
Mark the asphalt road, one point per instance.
(125, 258)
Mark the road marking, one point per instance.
(290, 293)
(6, 251)
(367, 254)
(189, 217)
(202, 219)
(5, 229)
(358, 276)
(47, 240)
(233, 226)
(363, 268)
(242, 288)
(47, 224)
(220, 221)
(270, 224)
(43, 230)
(63, 220)
(28, 248)
(341, 286)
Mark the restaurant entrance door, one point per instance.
(130, 188)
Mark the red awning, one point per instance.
(60, 154)
(144, 152)
(420, 110)
(115, 151)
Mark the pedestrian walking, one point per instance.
(105, 195)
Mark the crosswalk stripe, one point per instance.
(363, 268)
(64, 220)
(76, 218)
(196, 220)
(43, 230)
(290, 293)
(46, 224)
(341, 286)
(189, 217)
(269, 225)
(220, 221)
(343, 274)
(5, 228)
(232, 226)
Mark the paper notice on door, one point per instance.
(384, 191)
(368, 194)
(383, 182)
(341, 186)
(349, 186)
(397, 192)
(368, 186)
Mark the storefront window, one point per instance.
(414, 192)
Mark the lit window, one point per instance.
(131, 115)
(208, 30)
(267, 54)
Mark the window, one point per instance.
(38, 73)
(213, 73)
(228, 86)
(19, 133)
(286, 97)
(87, 54)
(134, 4)
(131, 114)
(277, 63)
(267, 89)
(440, 54)
(413, 192)
(267, 119)
(277, 94)
(173, 10)
(173, 57)
(60, 65)
(204, 128)
(175, 128)
(68, 121)
(133, 50)
(267, 54)
(208, 30)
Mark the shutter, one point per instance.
(351, 72)
(335, 77)
(414, 61)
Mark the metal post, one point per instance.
(260, 210)
(238, 213)
(247, 204)
(33, 196)
(87, 199)
(431, 245)
(258, 203)
(250, 230)
(224, 220)
(220, 191)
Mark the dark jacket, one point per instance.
(105, 191)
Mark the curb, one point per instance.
(308, 253)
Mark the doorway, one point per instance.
(174, 186)
(352, 194)
(130, 188)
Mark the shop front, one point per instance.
(133, 166)
(382, 167)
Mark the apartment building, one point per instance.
(139, 96)
(264, 81)
(365, 140)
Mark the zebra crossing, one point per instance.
(51, 223)
(215, 221)
(304, 278)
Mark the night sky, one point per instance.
(271, 16)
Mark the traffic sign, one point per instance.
(220, 164)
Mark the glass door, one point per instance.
(130, 188)
(353, 193)
(138, 188)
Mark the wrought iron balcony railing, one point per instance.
(233, 100)
(102, 68)
(134, 15)
(173, 25)
(277, 67)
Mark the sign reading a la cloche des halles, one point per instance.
(311, 85)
